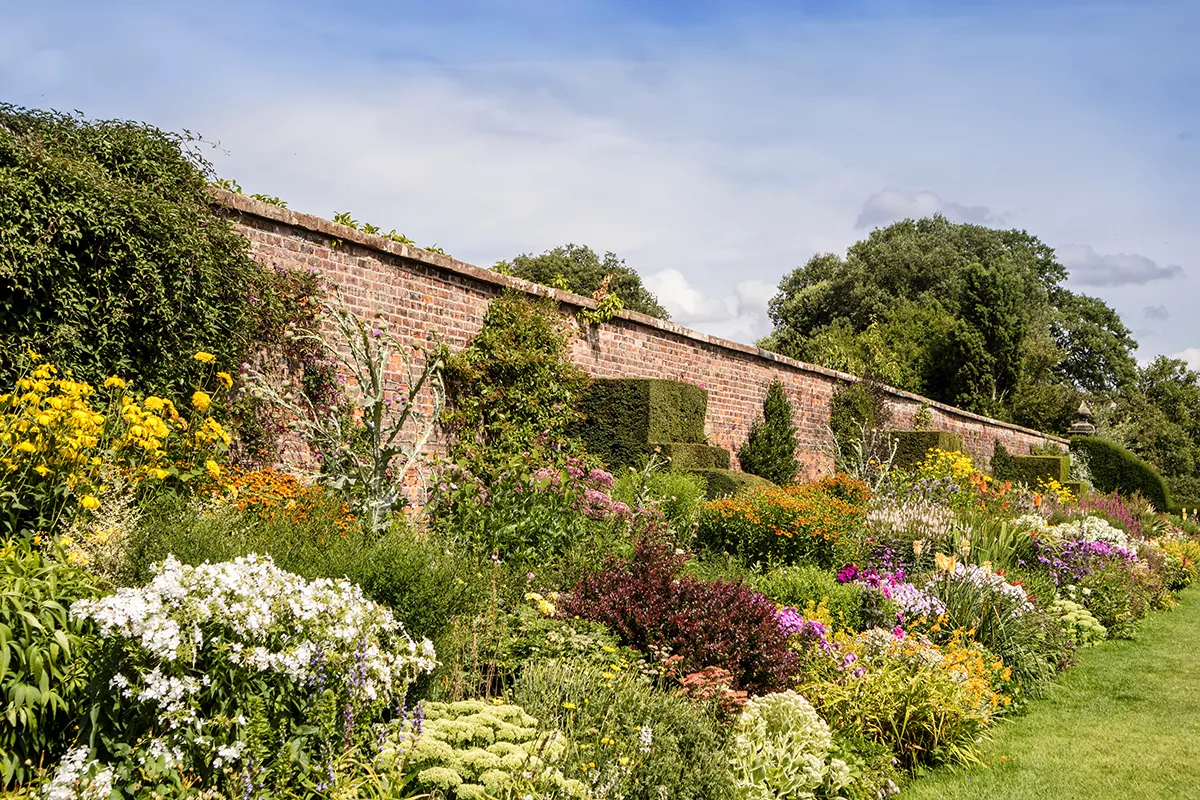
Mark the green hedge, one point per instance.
(687, 455)
(911, 446)
(1115, 469)
(1078, 488)
(1029, 470)
(624, 418)
(723, 482)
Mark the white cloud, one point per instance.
(741, 317)
(891, 205)
(687, 305)
(1191, 355)
(1089, 268)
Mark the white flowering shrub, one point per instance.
(242, 672)
(1084, 529)
(1090, 529)
(780, 751)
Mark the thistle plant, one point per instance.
(365, 456)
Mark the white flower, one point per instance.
(77, 778)
(267, 620)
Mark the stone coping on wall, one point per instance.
(244, 204)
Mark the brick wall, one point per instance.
(418, 291)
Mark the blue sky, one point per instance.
(714, 145)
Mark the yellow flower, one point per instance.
(213, 468)
(42, 469)
(115, 381)
(153, 403)
(201, 401)
(204, 358)
(568, 706)
(160, 474)
(26, 447)
(226, 379)
(90, 502)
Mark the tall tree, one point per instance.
(579, 269)
(961, 313)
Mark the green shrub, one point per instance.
(527, 515)
(1029, 470)
(624, 420)
(514, 387)
(801, 585)
(678, 495)
(670, 746)
(1082, 628)
(911, 446)
(727, 482)
(770, 448)
(691, 455)
(1115, 469)
(45, 656)
(113, 260)
(1115, 596)
(487, 653)
(852, 406)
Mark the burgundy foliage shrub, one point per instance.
(647, 603)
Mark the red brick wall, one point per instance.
(418, 292)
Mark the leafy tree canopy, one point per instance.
(579, 269)
(112, 259)
(961, 313)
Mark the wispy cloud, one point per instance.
(1158, 312)
(1089, 268)
(891, 205)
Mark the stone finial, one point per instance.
(1083, 422)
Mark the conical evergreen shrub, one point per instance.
(770, 449)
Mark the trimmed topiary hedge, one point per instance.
(1115, 469)
(1077, 488)
(688, 455)
(625, 419)
(1029, 470)
(725, 482)
(911, 446)
(770, 447)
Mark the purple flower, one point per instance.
(810, 631)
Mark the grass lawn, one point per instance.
(1123, 724)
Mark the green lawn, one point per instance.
(1123, 724)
